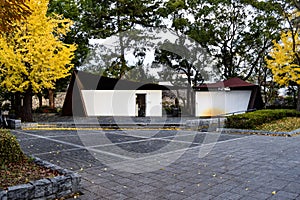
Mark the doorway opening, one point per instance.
(141, 105)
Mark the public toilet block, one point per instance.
(92, 95)
(227, 97)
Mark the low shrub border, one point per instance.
(252, 119)
(48, 188)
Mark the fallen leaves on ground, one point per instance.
(23, 172)
(282, 125)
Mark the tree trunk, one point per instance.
(193, 103)
(188, 100)
(51, 99)
(16, 104)
(189, 92)
(298, 100)
(26, 114)
(40, 97)
(123, 68)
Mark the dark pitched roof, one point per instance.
(255, 102)
(231, 83)
(95, 82)
(73, 104)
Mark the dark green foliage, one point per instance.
(236, 32)
(10, 150)
(252, 119)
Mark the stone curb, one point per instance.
(109, 126)
(259, 132)
(48, 188)
(211, 124)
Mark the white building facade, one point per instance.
(142, 103)
(212, 103)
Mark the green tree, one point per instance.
(238, 34)
(118, 16)
(105, 58)
(186, 65)
(96, 19)
(78, 34)
(33, 57)
(70, 9)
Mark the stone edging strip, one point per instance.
(259, 132)
(48, 188)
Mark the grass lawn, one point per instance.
(286, 124)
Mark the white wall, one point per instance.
(211, 103)
(120, 102)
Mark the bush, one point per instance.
(252, 119)
(10, 150)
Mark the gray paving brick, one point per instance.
(284, 195)
(243, 190)
(118, 196)
(266, 190)
(279, 184)
(248, 198)
(146, 188)
(146, 180)
(159, 193)
(228, 196)
(120, 189)
(292, 187)
(104, 192)
(174, 196)
(90, 196)
(200, 196)
(146, 196)
(109, 184)
(251, 167)
(219, 189)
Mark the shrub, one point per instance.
(10, 150)
(252, 119)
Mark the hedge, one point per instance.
(251, 120)
(10, 150)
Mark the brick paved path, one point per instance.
(148, 164)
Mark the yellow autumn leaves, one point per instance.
(32, 56)
(283, 60)
(11, 11)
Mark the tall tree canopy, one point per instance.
(96, 19)
(238, 34)
(72, 9)
(284, 58)
(12, 11)
(33, 57)
(117, 16)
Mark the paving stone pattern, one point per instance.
(209, 166)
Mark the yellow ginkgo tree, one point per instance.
(12, 11)
(284, 60)
(33, 57)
